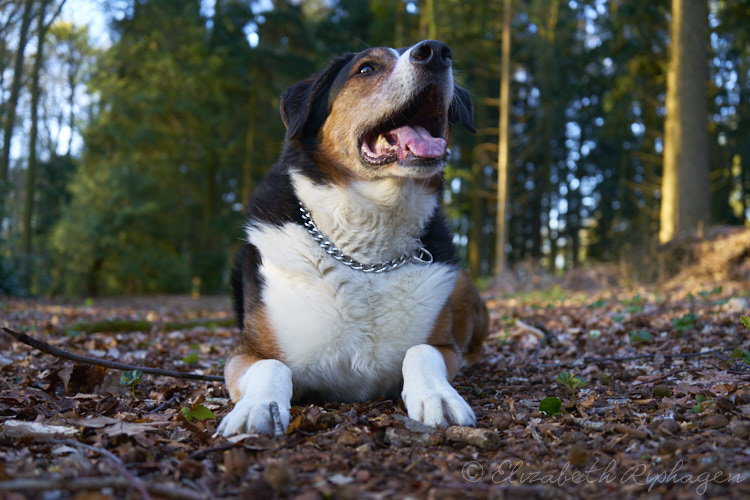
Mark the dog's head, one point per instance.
(379, 113)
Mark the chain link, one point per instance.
(420, 256)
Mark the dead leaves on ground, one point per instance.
(662, 395)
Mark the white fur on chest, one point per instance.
(342, 332)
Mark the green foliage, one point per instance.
(183, 122)
(572, 382)
(745, 320)
(113, 325)
(640, 337)
(199, 412)
(742, 354)
(634, 305)
(131, 378)
(685, 322)
(191, 359)
(701, 403)
(597, 304)
(714, 291)
(551, 406)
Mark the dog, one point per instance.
(347, 286)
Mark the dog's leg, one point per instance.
(254, 385)
(470, 318)
(428, 394)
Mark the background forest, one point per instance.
(126, 162)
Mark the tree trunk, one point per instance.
(427, 26)
(501, 237)
(15, 90)
(686, 195)
(247, 163)
(28, 205)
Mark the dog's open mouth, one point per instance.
(413, 133)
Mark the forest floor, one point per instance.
(654, 405)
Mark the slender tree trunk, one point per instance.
(28, 205)
(686, 195)
(247, 163)
(549, 107)
(15, 90)
(398, 37)
(501, 237)
(476, 207)
(427, 26)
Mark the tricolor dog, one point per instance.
(347, 286)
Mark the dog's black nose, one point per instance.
(432, 54)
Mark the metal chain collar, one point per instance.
(420, 256)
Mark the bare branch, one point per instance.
(60, 353)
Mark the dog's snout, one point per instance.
(432, 54)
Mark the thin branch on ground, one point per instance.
(60, 353)
(116, 462)
(98, 483)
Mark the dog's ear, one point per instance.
(462, 109)
(304, 105)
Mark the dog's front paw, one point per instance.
(438, 405)
(263, 408)
(255, 417)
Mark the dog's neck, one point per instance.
(370, 221)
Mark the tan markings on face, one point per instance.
(363, 103)
(356, 108)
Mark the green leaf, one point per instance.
(191, 358)
(598, 304)
(635, 301)
(551, 405)
(741, 354)
(570, 380)
(564, 378)
(745, 320)
(132, 377)
(684, 323)
(640, 337)
(715, 290)
(199, 413)
(618, 319)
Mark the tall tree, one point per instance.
(686, 196)
(503, 158)
(15, 90)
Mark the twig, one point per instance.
(609, 359)
(98, 483)
(658, 379)
(543, 340)
(119, 466)
(60, 353)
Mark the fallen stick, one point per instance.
(116, 463)
(98, 483)
(60, 353)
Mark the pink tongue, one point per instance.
(419, 141)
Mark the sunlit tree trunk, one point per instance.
(427, 25)
(501, 237)
(686, 195)
(15, 89)
(550, 114)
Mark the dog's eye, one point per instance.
(366, 68)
